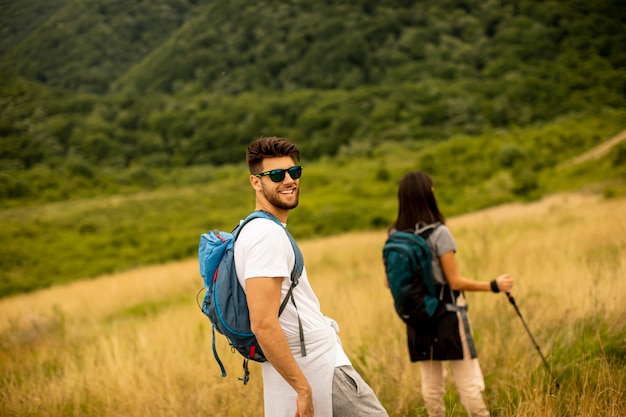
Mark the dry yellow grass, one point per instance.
(136, 344)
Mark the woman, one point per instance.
(449, 337)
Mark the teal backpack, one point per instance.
(225, 301)
(407, 261)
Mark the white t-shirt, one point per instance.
(263, 249)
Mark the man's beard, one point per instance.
(274, 199)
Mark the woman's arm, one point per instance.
(459, 283)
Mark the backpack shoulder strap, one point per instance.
(427, 230)
(299, 260)
(425, 233)
(295, 273)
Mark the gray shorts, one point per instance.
(352, 396)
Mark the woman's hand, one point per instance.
(505, 283)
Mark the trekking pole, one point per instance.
(545, 362)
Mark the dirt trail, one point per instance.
(598, 151)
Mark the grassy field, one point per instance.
(136, 344)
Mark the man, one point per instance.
(318, 380)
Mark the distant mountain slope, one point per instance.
(190, 82)
(86, 45)
(18, 19)
(231, 46)
(237, 45)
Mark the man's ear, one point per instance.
(255, 182)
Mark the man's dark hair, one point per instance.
(269, 147)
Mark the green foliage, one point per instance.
(84, 46)
(184, 83)
(112, 220)
(57, 243)
(19, 19)
(618, 155)
(510, 155)
(592, 339)
(159, 100)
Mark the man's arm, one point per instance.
(263, 295)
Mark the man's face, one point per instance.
(283, 194)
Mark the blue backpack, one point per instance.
(225, 302)
(407, 260)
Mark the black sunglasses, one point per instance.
(277, 175)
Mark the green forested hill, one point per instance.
(236, 45)
(19, 19)
(129, 84)
(239, 46)
(87, 45)
(123, 123)
(51, 243)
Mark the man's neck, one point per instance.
(280, 214)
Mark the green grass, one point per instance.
(44, 244)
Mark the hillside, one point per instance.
(94, 233)
(135, 343)
(19, 19)
(234, 46)
(123, 124)
(85, 46)
(172, 83)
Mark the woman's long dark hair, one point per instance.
(416, 202)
